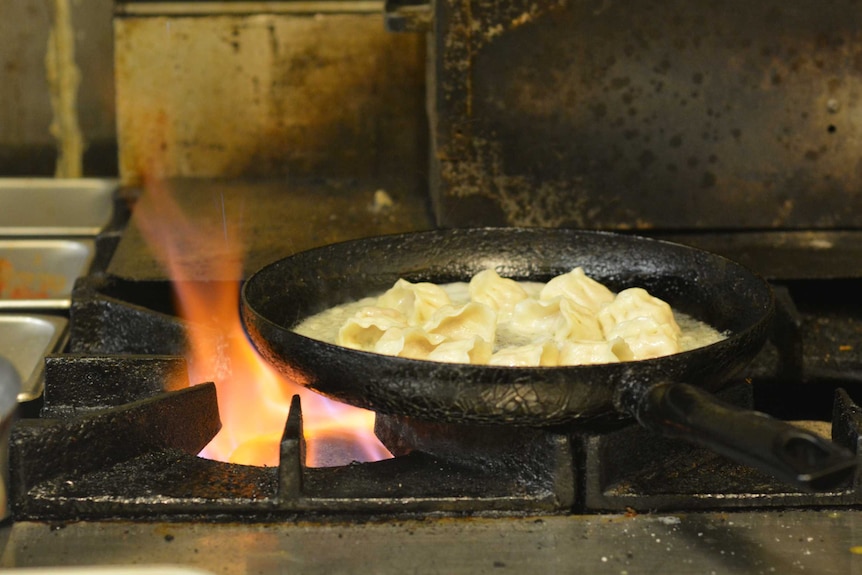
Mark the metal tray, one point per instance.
(25, 340)
(55, 207)
(40, 274)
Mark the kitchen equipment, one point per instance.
(732, 123)
(55, 207)
(650, 115)
(708, 287)
(10, 384)
(40, 273)
(552, 495)
(25, 340)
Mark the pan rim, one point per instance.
(768, 305)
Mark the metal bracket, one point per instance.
(407, 15)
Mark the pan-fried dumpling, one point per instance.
(417, 301)
(646, 337)
(633, 303)
(594, 352)
(367, 326)
(465, 322)
(538, 354)
(571, 320)
(411, 342)
(580, 322)
(578, 288)
(500, 294)
(475, 350)
(559, 317)
(531, 317)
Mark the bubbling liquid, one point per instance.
(497, 321)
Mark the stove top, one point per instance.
(111, 451)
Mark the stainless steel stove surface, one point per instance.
(823, 542)
(612, 500)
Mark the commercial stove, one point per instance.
(105, 469)
(581, 114)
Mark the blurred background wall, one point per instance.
(64, 49)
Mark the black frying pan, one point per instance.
(667, 394)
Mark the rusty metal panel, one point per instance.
(268, 94)
(647, 114)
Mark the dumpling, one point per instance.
(543, 353)
(578, 288)
(367, 326)
(571, 320)
(594, 352)
(465, 322)
(500, 294)
(646, 337)
(476, 351)
(417, 301)
(580, 322)
(411, 342)
(634, 303)
(531, 317)
(559, 317)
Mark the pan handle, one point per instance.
(792, 454)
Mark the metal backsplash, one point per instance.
(647, 114)
(263, 89)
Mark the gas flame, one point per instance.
(253, 397)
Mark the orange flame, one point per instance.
(253, 397)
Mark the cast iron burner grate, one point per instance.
(112, 441)
(138, 460)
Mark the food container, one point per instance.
(10, 384)
(24, 342)
(55, 207)
(47, 240)
(40, 273)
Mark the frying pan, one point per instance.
(669, 395)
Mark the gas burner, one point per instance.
(110, 442)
